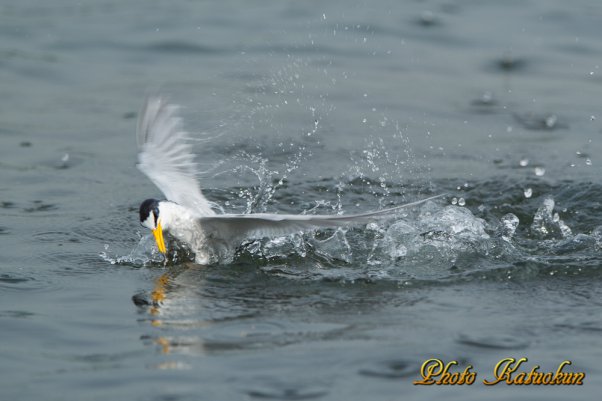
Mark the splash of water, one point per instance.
(143, 254)
(547, 224)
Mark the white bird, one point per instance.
(165, 156)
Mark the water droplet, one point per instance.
(372, 227)
(508, 226)
(64, 161)
(547, 222)
(564, 229)
(543, 216)
(540, 171)
(427, 18)
(461, 202)
(486, 97)
(592, 118)
(454, 201)
(551, 121)
(588, 162)
(528, 193)
(364, 120)
(524, 162)
(399, 251)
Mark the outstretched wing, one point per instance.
(237, 227)
(166, 158)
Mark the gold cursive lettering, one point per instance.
(435, 369)
(506, 371)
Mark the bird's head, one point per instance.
(150, 218)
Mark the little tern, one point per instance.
(166, 157)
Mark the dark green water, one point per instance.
(303, 106)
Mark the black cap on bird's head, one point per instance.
(149, 217)
(146, 207)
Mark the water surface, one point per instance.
(316, 107)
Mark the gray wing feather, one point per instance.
(236, 227)
(166, 157)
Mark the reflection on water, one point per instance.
(187, 303)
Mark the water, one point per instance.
(302, 107)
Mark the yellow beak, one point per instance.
(158, 233)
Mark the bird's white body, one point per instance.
(165, 156)
(187, 228)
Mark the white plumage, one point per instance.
(165, 156)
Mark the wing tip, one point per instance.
(154, 109)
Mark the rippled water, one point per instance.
(302, 107)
